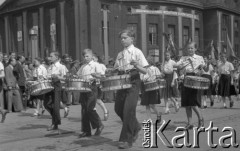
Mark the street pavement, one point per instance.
(21, 132)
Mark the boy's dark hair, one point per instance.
(128, 31)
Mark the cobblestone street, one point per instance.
(21, 132)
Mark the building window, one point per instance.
(236, 49)
(224, 35)
(172, 8)
(197, 37)
(152, 34)
(225, 21)
(236, 25)
(171, 30)
(185, 35)
(236, 34)
(133, 27)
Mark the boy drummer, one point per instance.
(56, 72)
(130, 60)
(89, 72)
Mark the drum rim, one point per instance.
(118, 87)
(75, 79)
(116, 77)
(197, 78)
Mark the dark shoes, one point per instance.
(124, 145)
(84, 134)
(4, 113)
(52, 128)
(211, 103)
(99, 130)
(231, 104)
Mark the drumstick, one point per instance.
(184, 66)
(83, 75)
(123, 65)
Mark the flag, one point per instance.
(230, 51)
(184, 48)
(170, 45)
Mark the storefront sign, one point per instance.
(19, 35)
(53, 29)
(164, 12)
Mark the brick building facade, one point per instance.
(35, 27)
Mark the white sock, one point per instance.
(224, 104)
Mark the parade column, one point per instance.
(25, 34)
(219, 16)
(63, 25)
(163, 8)
(77, 28)
(41, 26)
(6, 33)
(180, 42)
(143, 29)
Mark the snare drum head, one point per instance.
(41, 92)
(149, 82)
(75, 79)
(197, 78)
(117, 77)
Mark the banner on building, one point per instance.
(19, 36)
(230, 51)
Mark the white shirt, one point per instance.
(225, 68)
(152, 73)
(127, 55)
(40, 71)
(215, 77)
(87, 69)
(191, 67)
(57, 69)
(168, 66)
(102, 68)
(1, 67)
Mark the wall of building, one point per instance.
(79, 25)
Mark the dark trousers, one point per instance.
(52, 103)
(89, 114)
(14, 99)
(22, 93)
(75, 97)
(125, 108)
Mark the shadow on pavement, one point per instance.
(60, 133)
(74, 119)
(49, 147)
(25, 114)
(32, 126)
(94, 141)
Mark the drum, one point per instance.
(80, 85)
(41, 87)
(195, 82)
(116, 82)
(154, 85)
